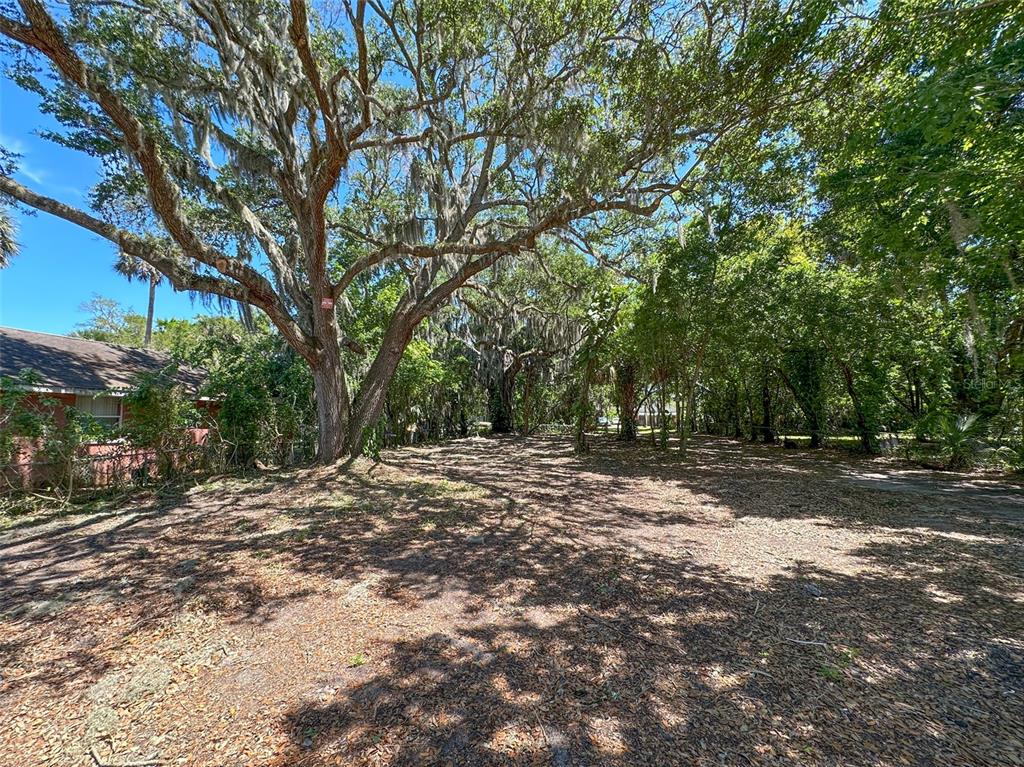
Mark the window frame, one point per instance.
(105, 420)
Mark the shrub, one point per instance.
(161, 413)
(266, 399)
(22, 416)
(961, 439)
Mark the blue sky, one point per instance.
(61, 265)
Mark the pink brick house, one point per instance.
(92, 377)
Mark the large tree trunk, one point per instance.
(369, 402)
(332, 406)
(149, 312)
(748, 399)
(500, 402)
(626, 385)
(503, 391)
(866, 433)
(815, 442)
(583, 410)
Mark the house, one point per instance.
(90, 376)
(649, 415)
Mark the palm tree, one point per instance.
(134, 268)
(8, 239)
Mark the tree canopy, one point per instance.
(733, 216)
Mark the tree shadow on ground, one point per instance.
(618, 654)
(681, 664)
(544, 609)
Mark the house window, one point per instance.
(106, 410)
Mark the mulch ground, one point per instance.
(499, 601)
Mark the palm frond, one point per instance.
(8, 239)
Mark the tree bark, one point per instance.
(815, 442)
(500, 400)
(767, 432)
(867, 436)
(500, 405)
(626, 385)
(583, 410)
(528, 402)
(369, 402)
(749, 402)
(149, 311)
(332, 406)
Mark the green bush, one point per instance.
(265, 396)
(24, 416)
(961, 439)
(21, 415)
(160, 412)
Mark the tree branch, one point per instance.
(169, 264)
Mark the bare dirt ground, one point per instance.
(495, 602)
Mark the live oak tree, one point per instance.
(286, 155)
(517, 319)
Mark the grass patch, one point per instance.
(444, 489)
(30, 509)
(831, 673)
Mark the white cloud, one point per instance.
(12, 144)
(40, 177)
(34, 175)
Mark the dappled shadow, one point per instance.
(137, 565)
(519, 605)
(685, 665)
(853, 490)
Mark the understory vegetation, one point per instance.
(794, 224)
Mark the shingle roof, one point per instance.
(79, 365)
